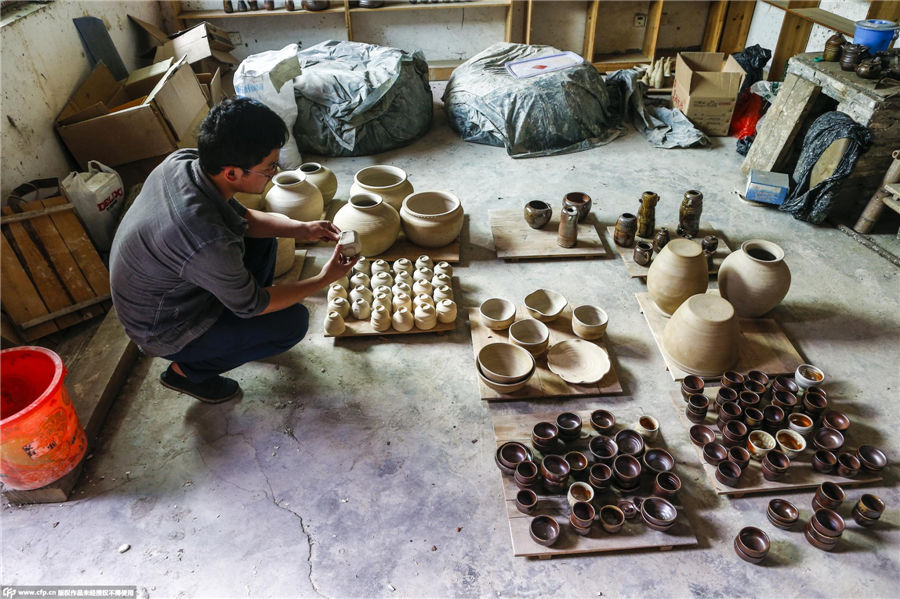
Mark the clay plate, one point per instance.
(578, 361)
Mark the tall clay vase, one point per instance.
(376, 223)
(755, 278)
(678, 272)
(322, 177)
(646, 216)
(431, 219)
(294, 196)
(387, 181)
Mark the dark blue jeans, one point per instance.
(233, 341)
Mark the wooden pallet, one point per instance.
(635, 270)
(763, 345)
(52, 277)
(544, 383)
(634, 535)
(799, 476)
(514, 239)
(403, 248)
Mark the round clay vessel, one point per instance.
(589, 322)
(294, 196)
(388, 182)
(678, 272)
(755, 278)
(446, 311)
(505, 362)
(701, 337)
(545, 304)
(530, 334)
(626, 228)
(431, 219)
(581, 202)
(376, 223)
(285, 255)
(497, 313)
(537, 213)
(322, 177)
(544, 530)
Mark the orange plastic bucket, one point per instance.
(41, 439)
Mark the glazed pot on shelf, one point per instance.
(755, 278)
(678, 272)
(376, 222)
(387, 181)
(322, 177)
(294, 196)
(431, 219)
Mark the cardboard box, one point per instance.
(211, 84)
(767, 187)
(101, 121)
(706, 89)
(203, 44)
(142, 81)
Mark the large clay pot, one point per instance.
(254, 201)
(376, 222)
(284, 257)
(389, 182)
(431, 219)
(322, 177)
(294, 196)
(702, 335)
(677, 273)
(755, 278)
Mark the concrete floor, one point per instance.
(364, 467)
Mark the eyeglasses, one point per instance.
(270, 172)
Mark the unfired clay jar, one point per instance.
(294, 196)
(382, 278)
(343, 282)
(423, 286)
(401, 300)
(360, 278)
(424, 261)
(405, 278)
(402, 319)
(334, 324)
(423, 274)
(444, 292)
(322, 177)
(339, 305)
(646, 216)
(677, 273)
(336, 291)
(399, 288)
(403, 265)
(382, 299)
(388, 182)
(381, 265)
(443, 268)
(363, 265)
(702, 335)
(431, 219)
(425, 317)
(361, 309)
(376, 222)
(755, 278)
(422, 299)
(446, 311)
(440, 279)
(360, 292)
(380, 318)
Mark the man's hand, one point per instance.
(337, 266)
(319, 230)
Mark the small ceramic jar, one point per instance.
(336, 290)
(423, 274)
(381, 266)
(443, 268)
(402, 319)
(381, 278)
(443, 292)
(440, 279)
(581, 202)
(361, 309)
(384, 290)
(399, 288)
(403, 265)
(424, 261)
(537, 213)
(422, 286)
(446, 311)
(643, 253)
(363, 265)
(626, 227)
(661, 239)
(402, 300)
(422, 299)
(339, 305)
(360, 278)
(380, 318)
(334, 323)
(424, 316)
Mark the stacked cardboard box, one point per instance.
(706, 89)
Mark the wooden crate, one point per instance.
(52, 277)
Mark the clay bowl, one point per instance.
(569, 425)
(603, 421)
(815, 539)
(728, 473)
(724, 395)
(630, 442)
(870, 506)
(739, 456)
(658, 460)
(730, 411)
(753, 385)
(808, 375)
(544, 434)
(759, 443)
(578, 361)
(714, 453)
(748, 399)
(776, 461)
(871, 458)
(589, 322)
(511, 453)
(578, 465)
(658, 513)
(784, 400)
(544, 530)
(814, 403)
(697, 404)
(828, 523)
(734, 433)
(862, 519)
(545, 305)
(824, 461)
(666, 485)
(603, 448)
(701, 435)
(526, 501)
(691, 385)
(626, 470)
(701, 337)
(527, 473)
(555, 468)
(600, 476)
(773, 416)
(829, 495)
(848, 465)
(791, 443)
(497, 313)
(611, 519)
(836, 420)
(760, 377)
(753, 418)
(783, 383)
(800, 424)
(531, 335)
(505, 363)
(582, 514)
(752, 544)
(505, 387)
(828, 438)
(733, 380)
(782, 513)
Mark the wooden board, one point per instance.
(403, 248)
(514, 239)
(636, 270)
(634, 535)
(763, 345)
(799, 476)
(783, 120)
(544, 383)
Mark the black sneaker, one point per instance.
(218, 389)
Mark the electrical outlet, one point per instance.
(235, 38)
(640, 20)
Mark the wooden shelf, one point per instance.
(827, 19)
(626, 60)
(202, 15)
(438, 6)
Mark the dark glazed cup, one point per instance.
(848, 465)
(691, 385)
(611, 519)
(626, 228)
(666, 485)
(578, 465)
(733, 380)
(714, 453)
(728, 473)
(537, 213)
(569, 425)
(600, 477)
(544, 530)
(526, 501)
(643, 253)
(603, 421)
(581, 202)
(604, 449)
(824, 461)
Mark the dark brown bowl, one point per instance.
(754, 386)
(733, 380)
(783, 383)
(830, 495)
(814, 403)
(753, 542)
(848, 465)
(658, 460)
(776, 461)
(698, 403)
(870, 506)
(770, 474)
(626, 469)
(862, 519)
(726, 394)
(773, 416)
(728, 473)
(555, 468)
(527, 473)
(544, 433)
(582, 514)
(603, 448)
(658, 513)
(730, 410)
(748, 399)
(871, 458)
(827, 523)
(630, 442)
(814, 539)
(701, 435)
(735, 430)
(611, 518)
(511, 453)
(544, 530)
(691, 385)
(578, 464)
(753, 417)
(741, 554)
(569, 425)
(526, 501)
(600, 476)
(760, 377)
(828, 438)
(666, 485)
(714, 453)
(782, 513)
(824, 461)
(836, 420)
(603, 421)
(784, 400)
(739, 456)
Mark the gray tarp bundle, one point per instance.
(356, 99)
(553, 113)
(814, 204)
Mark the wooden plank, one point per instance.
(514, 239)
(785, 118)
(590, 30)
(798, 477)
(715, 21)
(20, 216)
(635, 270)
(826, 19)
(529, 9)
(651, 33)
(792, 39)
(737, 25)
(56, 492)
(72, 231)
(762, 344)
(544, 383)
(69, 310)
(21, 300)
(633, 536)
(889, 10)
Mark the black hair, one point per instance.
(239, 132)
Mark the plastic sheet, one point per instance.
(752, 60)
(553, 113)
